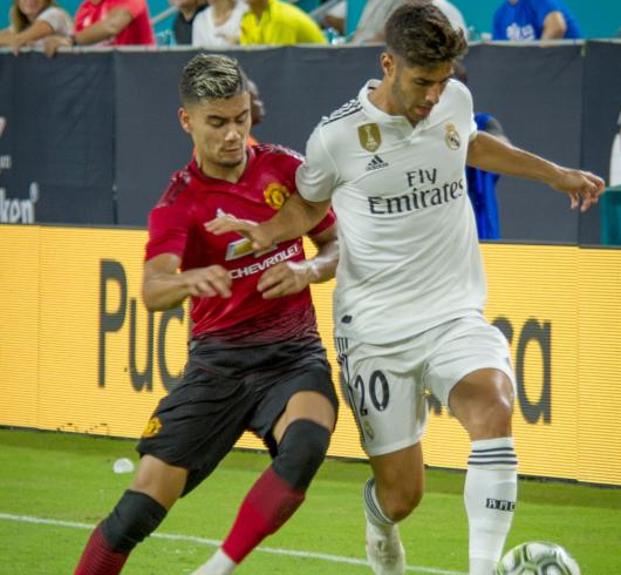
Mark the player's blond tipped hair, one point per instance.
(212, 77)
(422, 35)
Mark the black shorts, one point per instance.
(226, 391)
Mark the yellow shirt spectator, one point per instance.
(277, 23)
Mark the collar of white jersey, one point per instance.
(381, 117)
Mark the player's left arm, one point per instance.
(288, 278)
(491, 154)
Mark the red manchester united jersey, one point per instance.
(177, 225)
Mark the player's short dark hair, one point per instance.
(422, 35)
(212, 77)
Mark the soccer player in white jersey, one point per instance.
(410, 284)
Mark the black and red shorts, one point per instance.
(227, 390)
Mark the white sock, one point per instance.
(490, 494)
(219, 564)
(373, 510)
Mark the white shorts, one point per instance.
(386, 385)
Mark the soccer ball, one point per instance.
(537, 558)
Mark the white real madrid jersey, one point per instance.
(409, 254)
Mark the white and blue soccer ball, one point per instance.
(537, 558)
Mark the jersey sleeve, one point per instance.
(543, 8)
(317, 177)
(134, 7)
(498, 31)
(328, 221)
(170, 220)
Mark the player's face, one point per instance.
(219, 130)
(415, 90)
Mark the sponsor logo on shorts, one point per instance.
(499, 504)
(368, 429)
(153, 427)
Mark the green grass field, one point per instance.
(68, 480)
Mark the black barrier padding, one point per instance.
(602, 109)
(61, 136)
(536, 94)
(98, 132)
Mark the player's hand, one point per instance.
(251, 230)
(583, 188)
(211, 281)
(285, 278)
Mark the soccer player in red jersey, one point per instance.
(256, 361)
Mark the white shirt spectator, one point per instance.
(455, 17)
(58, 19)
(205, 31)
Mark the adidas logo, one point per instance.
(376, 163)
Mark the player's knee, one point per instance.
(398, 504)
(301, 452)
(135, 517)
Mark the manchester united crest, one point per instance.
(370, 137)
(452, 137)
(153, 427)
(275, 195)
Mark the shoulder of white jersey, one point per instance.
(459, 89)
(276, 149)
(345, 111)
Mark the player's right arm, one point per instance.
(164, 287)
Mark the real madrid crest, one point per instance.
(369, 430)
(370, 137)
(452, 137)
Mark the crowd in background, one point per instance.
(224, 23)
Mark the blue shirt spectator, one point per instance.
(534, 20)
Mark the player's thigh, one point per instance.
(197, 424)
(304, 392)
(383, 388)
(462, 348)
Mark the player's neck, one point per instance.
(380, 97)
(230, 174)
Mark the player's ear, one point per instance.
(184, 120)
(388, 64)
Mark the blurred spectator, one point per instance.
(33, 20)
(276, 22)
(455, 17)
(183, 23)
(534, 20)
(257, 109)
(220, 25)
(335, 18)
(482, 184)
(370, 28)
(108, 23)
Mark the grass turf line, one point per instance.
(66, 477)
